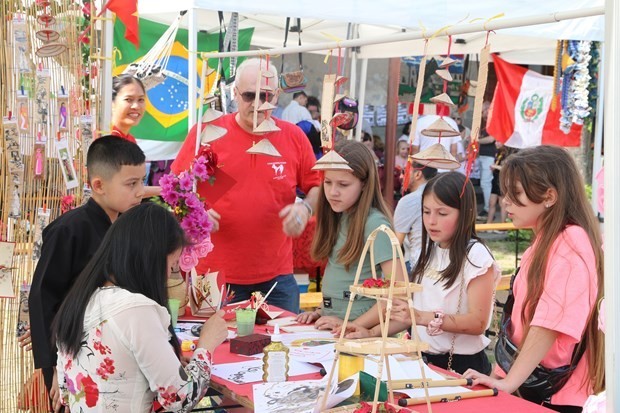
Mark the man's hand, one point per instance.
(215, 218)
(294, 219)
(25, 340)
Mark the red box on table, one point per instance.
(250, 344)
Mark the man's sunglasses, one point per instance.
(249, 97)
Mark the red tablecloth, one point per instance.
(503, 402)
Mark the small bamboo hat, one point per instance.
(444, 74)
(268, 125)
(332, 161)
(436, 156)
(264, 147)
(443, 99)
(211, 133)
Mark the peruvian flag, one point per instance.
(520, 115)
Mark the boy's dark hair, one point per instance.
(108, 154)
(120, 81)
(314, 101)
(300, 93)
(428, 172)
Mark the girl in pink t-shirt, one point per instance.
(560, 281)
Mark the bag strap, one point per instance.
(286, 30)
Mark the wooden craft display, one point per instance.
(382, 346)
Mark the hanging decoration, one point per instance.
(6, 268)
(42, 220)
(16, 164)
(575, 82)
(66, 164)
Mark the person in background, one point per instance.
(408, 214)
(402, 154)
(116, 172)
(553, 322)
(260, 206)
(296, 111)
(350, 208)
(496, 193)
(117, 350)
(486, 157)
(314, 107)
(458, 275)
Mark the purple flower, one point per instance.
(200, 168)
(186, 181)
(168, 181)
(171, 197)
(192, 201)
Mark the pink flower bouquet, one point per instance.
(189, 208)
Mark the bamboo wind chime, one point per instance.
(43, 144)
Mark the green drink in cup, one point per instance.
(246, 318)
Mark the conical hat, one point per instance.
(266, 106)
(266, 88)
(436, 156)
(446, 62)
(267, 74)
(211, 114)
(51, 49)
(438, 127)
(268, 125)
(264, 147)
(47, 35)
(341, 118)
(211, 133)
(340, 80)
(443, 99)
(332, 161)
(444, 74)
(46, 19)
(209, 99)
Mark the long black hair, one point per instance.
(133, 255)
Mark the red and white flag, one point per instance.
(520, 115)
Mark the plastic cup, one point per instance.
(246, 318)
(173, 307)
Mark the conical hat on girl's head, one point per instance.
(264, 147)
(47, 35)
(443, 99)
(211, 133)
(211, 114)
(438, 127)
(266, 106)
(444, 74)
(268, 125)
(436, 156)
(332, 161)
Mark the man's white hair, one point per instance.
(259, 63)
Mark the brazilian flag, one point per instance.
(165, 118)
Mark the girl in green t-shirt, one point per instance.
(350, 207)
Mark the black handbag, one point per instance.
(543, 382)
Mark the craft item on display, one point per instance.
(20, 37)
(264, 147)
(39, 161)
(347, 106)
(16, 165)
(205, 293)
(6, 267)
(211, 133)
(444, 74)
(42, 220)
(443, 99)
(86, 133)
(22, 111)
(327, 110)
(332, 161)
(46, 19)
(483, 69)
(42, 93)
(251, 371)
(63, 111)
(268, 124)
(446, 62)
(440, 128)
(66, 164)
(151, 68)
(51, 49)
(250, 344)
(23, 314)
(436, 156)
(47, 35)
(291, 82)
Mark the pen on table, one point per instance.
(448, 397)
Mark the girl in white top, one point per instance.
(458, 275)
(116, 349)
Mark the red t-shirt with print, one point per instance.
(250, 246)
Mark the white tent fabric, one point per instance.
(326, 20)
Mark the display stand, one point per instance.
(382, 346)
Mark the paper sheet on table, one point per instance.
(284, 321)
(317, 354)
(308, 339)
(251, 371)
(300, 396)
(410, 369)
(307, 328)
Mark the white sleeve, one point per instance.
(479, 260)
(178, 389)
(404, 214)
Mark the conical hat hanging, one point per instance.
(267, 74)
(340, 80)
(268, 125)
(436, 156)
(438, 127)
(47, 35)
(210, 98)
(211, 114)
(332, 161)
(266, 88)
(46, 19)
(446, 62)
(443, 99)
(264, 147)
(444, 74)
(266, 106)
(51, 49)
(211, 133)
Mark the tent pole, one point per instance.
(105, 118)
(353, 75)
(192, 43)
(597, 163)
(612, 204)
(399, 37)
(360, 102)
(390, 128)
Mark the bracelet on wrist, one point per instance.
(308, 207)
